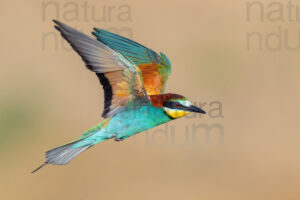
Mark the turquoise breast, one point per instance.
(131, 121)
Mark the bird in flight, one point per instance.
(133, 79)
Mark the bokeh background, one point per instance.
(48, 98)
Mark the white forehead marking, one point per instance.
(186, 103)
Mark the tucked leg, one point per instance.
(121, 138)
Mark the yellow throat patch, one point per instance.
(176, 113)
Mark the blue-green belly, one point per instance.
(129, 122)
(124, 124)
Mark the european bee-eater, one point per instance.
(133, 78)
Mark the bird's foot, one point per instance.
(119, 139)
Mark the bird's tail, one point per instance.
(65, 153)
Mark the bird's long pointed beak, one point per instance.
(195, 109)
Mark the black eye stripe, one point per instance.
(172, 105)
(177, 104)
(168, 104)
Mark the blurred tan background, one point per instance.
(48, 98)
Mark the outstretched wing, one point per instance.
(155, 68)
(120, 77)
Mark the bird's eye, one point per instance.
(177, 105)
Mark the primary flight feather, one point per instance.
(133, 78)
